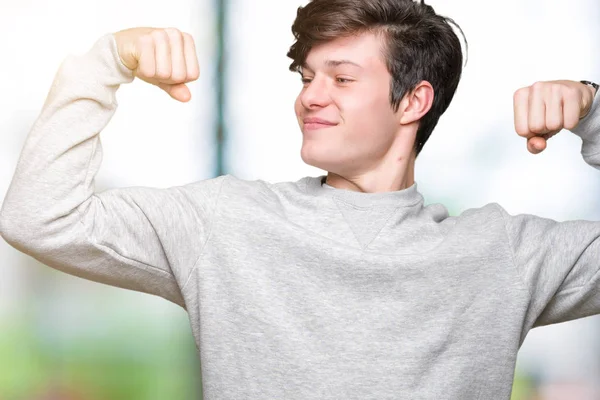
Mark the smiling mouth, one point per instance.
(317, 125)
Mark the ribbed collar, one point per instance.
(400, 198)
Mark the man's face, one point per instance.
(344, 110)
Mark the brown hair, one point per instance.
(419, 45)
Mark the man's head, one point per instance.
(382, 71)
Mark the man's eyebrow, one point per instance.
(334, 63)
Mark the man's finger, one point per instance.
(178, 67)
(537, 110)
(554, 112)
(162, 55)
(536, 144)
(191, 58)
(571, 109)
(521, 105)
(179, 91)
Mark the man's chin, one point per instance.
(318, 158)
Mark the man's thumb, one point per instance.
(179, 91)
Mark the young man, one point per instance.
(336, 287)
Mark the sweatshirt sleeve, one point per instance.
(559, 262)
(588, 130)
(143, 239)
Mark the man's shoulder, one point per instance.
(244, 185)
(230, 188)
(476, 218)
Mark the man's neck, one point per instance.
(389, 179)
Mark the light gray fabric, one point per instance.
(299, 290)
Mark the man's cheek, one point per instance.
(297, 106)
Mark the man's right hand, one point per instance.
(163, 57)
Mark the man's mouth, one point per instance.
(317, 123)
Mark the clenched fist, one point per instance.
(162, 57)
(545, 108)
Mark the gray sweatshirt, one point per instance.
(298, 290)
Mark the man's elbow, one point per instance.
(11, 231)
(18, 230)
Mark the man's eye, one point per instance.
(306, 80)
(343, 80)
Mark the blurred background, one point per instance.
(65, 338)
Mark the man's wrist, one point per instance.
(593, 86)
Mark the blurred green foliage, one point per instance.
(120, 364)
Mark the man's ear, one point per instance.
(417, 103)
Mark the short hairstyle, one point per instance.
(418, 45)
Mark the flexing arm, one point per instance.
(138, 238)
(559, 262)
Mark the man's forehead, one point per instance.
(358, 51)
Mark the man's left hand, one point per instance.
(545, 108)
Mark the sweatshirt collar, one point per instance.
(400, 198)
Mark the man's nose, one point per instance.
(316, 94)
